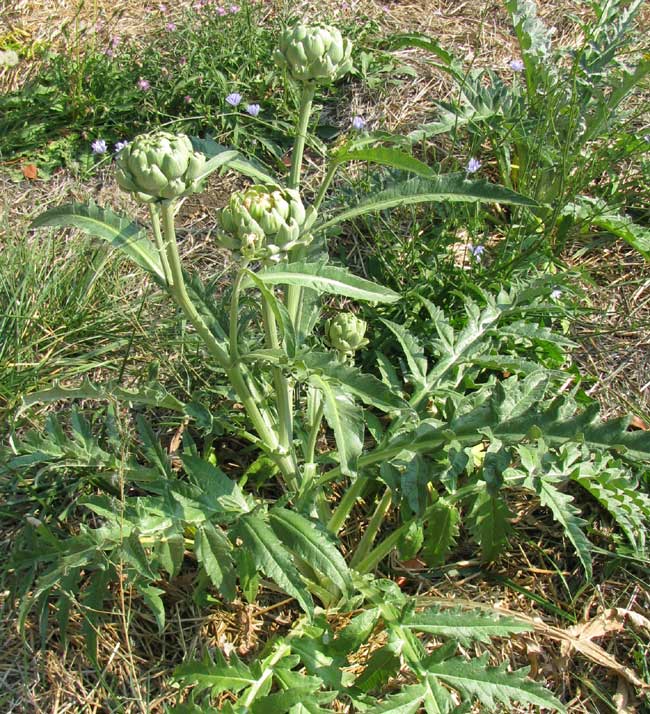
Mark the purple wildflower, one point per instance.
(233, 99)
(516, 65)
(234, 9)
(170, 26)
(646, 138)
(182, 61)
(109, 53)
(358, 123)
(473, 165)
(120, 145)
(187, 99)
(143, 85)
(556, 294)
(221, 11)
(98, 146)
(253, 109)
(477, 252)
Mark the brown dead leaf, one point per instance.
(637, 423)
(578, 637)
(624, 700)
(30, 171)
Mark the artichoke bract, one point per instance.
(346, 333)
(314, 53)
(159, 166)
(265, 224)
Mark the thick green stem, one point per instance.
(179, 290)
(234, 315)
(314, 430)
(282, 651)
(346, 504)
(304, 112)
(331, 170)
(294, 293)
(160, 244)
(381, 551)
(233, 371)
(282, 387)
(371, 531)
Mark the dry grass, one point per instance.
(136, 662)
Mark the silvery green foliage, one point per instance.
(159, 166)
(307, 671)
(314, 53)
(435, 429)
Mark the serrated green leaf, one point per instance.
(408, 701)
(253, 169)
(170, 550)
(345, 418)
(490, 524)
(220, 489)
(463, 626)
(619, 495)
(271, 557)
(134, 554)
(437, 699)
(566, 514)
(320, 661)
(385, 157)
(440, 532)
(448, 187)
(280, 312)
(383, 664)
(153, 601)
(329, 279)
(213, 550)
(413, 351)
(93, 601)
(220, 677)
(122, 233)
(282, 702)
(311, 542)
(366, 387)
(156, 396)
(492, 685)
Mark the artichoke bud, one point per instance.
(159, 166)
(274, 217)
(314, 53)
(346, 333)
(251, 245)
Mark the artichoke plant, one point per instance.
(265, 224)
(346, 333)
(159, 166)
(314, 53)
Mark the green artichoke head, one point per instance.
(314, 53)
(346, 333)
(159, 166)
(275, 217)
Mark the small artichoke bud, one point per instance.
(159, 166)
(264, 224)
(346, 333)
(314, 53)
